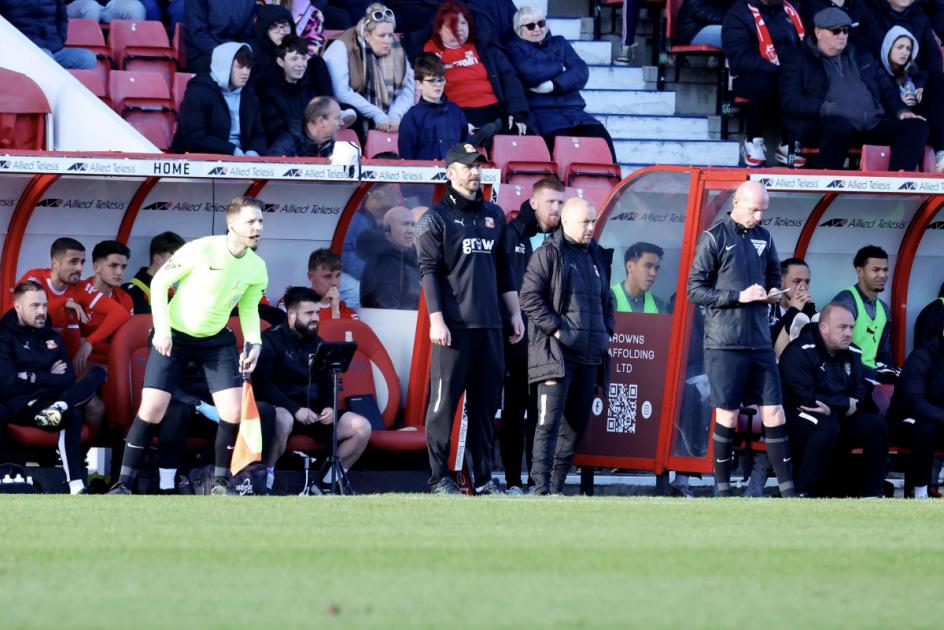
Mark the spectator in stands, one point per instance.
(273, 25)
(479, 77)
(303, 403)
(537, 218)
(170, 12)
(219, 113)
(699, 22)
(161, 248)
(392, 277)
(370, 72)
(324, 273)
(435, 123)
(835, 98)
(37, 384)
(553, 74)
(825, 400)
(72, 302)
(380, 198)
(757, 36)
(566, 296)
(873, 317)
(911, 16)
(642, 262)
(865, 36)
(734, 272)
(107, 10)
(494, 20)
(922, 92)
(322, 119)
(311, 19)
(930, 320)
(46, 24)
(414, 21)
(210, 23)
(109, 261)
(917, 410)
(795, 309)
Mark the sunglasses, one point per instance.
(842, 30)
(533, 25)
(382, 16)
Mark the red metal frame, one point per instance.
(134, 207)
(907, 252)
(806, 234)
(31, 195)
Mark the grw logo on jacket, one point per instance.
(477, 245)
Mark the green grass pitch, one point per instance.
(403, 561)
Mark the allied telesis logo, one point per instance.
(834, 223)
(836, 183)
(158, 205)
(80, 167)
(219, 170)
(908, 186)
(50, 203)
(293, 172)
(937, 225)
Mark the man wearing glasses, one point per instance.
(836, 98)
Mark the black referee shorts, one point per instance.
(215, 355)
(742, 377)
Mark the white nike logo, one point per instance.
(130, 445)
(721, 461)
(229, 448)
(786, 459)
(729, 247)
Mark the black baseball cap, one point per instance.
(832, 17)
(463, 153)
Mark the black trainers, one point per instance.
(222, 489)
(445, 486)
(120, 488)
(490, 488)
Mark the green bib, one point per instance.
(622, 302)
(868, 331)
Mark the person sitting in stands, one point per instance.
(210, 23)
(46, 24)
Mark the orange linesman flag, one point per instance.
(248, 447)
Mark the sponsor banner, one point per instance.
(625, 422)
(851, 183)
(243, 169)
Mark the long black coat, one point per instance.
(739, 37)
(203, 123)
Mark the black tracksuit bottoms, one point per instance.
(517, 430)
(473, 364)
(924, 437)
(563, 412)
(822, 463)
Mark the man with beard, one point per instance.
(537, 218)
(302, 403)
(392, 278)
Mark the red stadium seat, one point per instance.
(127, 358)
(380, 142)
(510, 198)
(92, 81)
(88, 34)
(181, 79)
(143, 99)
(359, 379)
(874, 158)
(595, 196)
(143, 46)
(23, 112)
(349, 135)
(582, 160)
(522, 159)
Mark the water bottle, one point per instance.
(908, 91)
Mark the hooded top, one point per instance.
(263, 49)
(890, 37)
(221, 68)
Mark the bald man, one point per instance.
(824, 395)
(392, 276)
(736, 276)
(566, 297)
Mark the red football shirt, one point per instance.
(467, 82)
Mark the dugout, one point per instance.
(654, 416)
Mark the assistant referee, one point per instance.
(214, 274)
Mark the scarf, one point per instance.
(378, 79)
(309, 24)
(765, 43)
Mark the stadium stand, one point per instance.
(142, 46)
(88, 34)
(379, 142)
(585, 162)
(523, 160)
(93, 82)
(144, 100)
(23, 112)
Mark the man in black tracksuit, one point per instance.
(37, 384)
(735, 275)
(824, 392)
(566, 296)
(539, 214)
(461, 254)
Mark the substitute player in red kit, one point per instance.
(73, 302)
(109, 262)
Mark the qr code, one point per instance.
(621, 410)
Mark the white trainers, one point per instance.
(783, 155)
(51, 416)
(348, 116)
(939, 166)
(754, 153)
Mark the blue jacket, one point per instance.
(555, 60)
(44, 22)
(209, 24)
(429, 129)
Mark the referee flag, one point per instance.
(248, 447)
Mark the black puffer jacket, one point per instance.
(809, 373)
(210, 23)
(391, 279)
(739, 37)
(864, 36)
(918, 24)
(518, 252)
(44, 22)
(283, 103)
(204, 120)
(920, 388)
(729, 259)
(696, 15)
(566, 289)
(27, 349)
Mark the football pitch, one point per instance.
(404, 561)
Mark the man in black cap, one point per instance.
(461, 256)
(835, 97)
